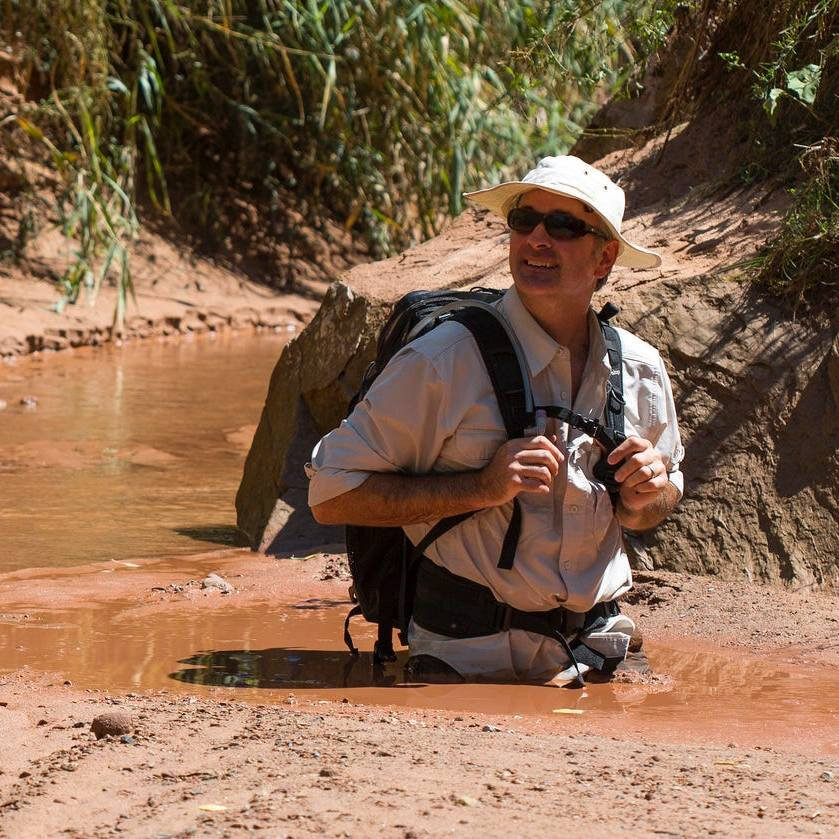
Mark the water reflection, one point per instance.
(289, 667)
(130, 452)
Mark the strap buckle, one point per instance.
(504, 617)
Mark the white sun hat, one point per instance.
(574, 178)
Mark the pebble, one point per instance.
(3, 404)
(113, 723)
(128, 740)
(827, 776)
(466, 801)
(215, 581)
(29, 401)
(490, 728)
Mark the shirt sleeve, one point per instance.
(400, 426)
(670, 442)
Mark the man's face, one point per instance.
(566, 269)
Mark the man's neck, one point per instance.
(566, 321)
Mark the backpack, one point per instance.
(382, 560)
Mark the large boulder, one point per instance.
(757, 393)
(321, 369)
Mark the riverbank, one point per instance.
(734, 734)
(177, 293)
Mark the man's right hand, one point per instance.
(527, 464)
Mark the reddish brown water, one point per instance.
(130, 452)
(262, 652)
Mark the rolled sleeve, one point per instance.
(399, 426)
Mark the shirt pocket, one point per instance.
(472, 447)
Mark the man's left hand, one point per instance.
(642, 476)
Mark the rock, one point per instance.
(29, 401)
(326, 772)
(113, 724)
(215, 581)
(466, 801)
(128, 740)
(3, 404)
(321, 368)
(490, 728)
(827, 776)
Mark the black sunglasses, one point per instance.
(558, 225)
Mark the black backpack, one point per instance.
(382, 560)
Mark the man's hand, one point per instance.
(646, 494)
(522, 465)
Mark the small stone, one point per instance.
(68, 683)
(827, 776)
(466, 801)
(128, 740)
(215, 581)
(326, 772)
(29, 401)
(490, 728)
(3, 404)
(79, 724)
(113, 723)
(25, 774)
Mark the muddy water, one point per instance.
(129, 452)
(262, 653)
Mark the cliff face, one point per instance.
(757, 391)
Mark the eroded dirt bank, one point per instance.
(696, 749)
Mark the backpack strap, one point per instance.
(505, 373)
(615, 401)
(502, 366)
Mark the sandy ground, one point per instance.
(215, 761)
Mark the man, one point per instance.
(428, 442)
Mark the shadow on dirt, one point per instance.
(217, 534)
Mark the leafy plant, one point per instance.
(801, 263)
(378, 113)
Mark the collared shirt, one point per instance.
(433, 409)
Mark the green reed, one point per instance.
(378, 113)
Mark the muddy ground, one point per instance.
(210, 760)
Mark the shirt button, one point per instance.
(573, 508)
(563, 394)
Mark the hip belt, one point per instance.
(449, 605)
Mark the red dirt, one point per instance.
(352, 761)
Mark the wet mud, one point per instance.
(285, 653)
(131, 451)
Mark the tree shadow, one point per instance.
(754, 354)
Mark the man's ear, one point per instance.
(608, 255)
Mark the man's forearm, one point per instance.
(651, 515)
(387, 499)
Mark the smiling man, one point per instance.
(428, 442)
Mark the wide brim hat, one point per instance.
(571, 177)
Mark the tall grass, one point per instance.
(378, 113)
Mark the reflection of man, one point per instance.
(428, 442)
